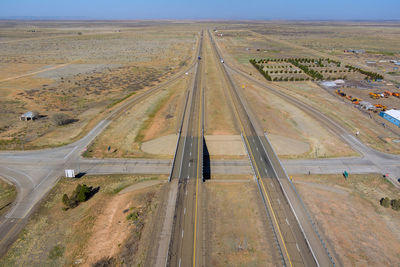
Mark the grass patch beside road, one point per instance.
(91, 231)
(357, 228)
(153, 111)
(8, 193)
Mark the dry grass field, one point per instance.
(97, 230)
(219, 117)
(79, 70)
(360, 231)
(238, 227)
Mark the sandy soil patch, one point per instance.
(13, 70)
(232, 242)
(230, 145)
(288, 146)
(360, 231)
(110, 229)
(164, 145)
(140, 185)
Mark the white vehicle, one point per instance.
(222, 61)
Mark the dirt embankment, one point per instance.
(109, 227)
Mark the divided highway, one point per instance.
(292, 228)
(187, 168)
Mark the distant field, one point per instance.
(79, 70)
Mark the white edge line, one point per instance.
(72, 151)
(290, 204)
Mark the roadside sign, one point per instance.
(69, 173)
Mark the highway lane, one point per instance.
(294, 247)
(184, 243)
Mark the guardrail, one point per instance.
(265, 204)
(179, 137)
(302, 204)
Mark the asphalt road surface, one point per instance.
(188, 169)
(293, 240)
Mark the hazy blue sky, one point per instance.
(205, 9)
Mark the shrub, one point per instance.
(81, 193)
(56, 252)
(385, 202)
(105, 262)
(395, 203)
(61, 119)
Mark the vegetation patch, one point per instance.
(56, 252)
(81, 193)
(394, 203)
(305, 69)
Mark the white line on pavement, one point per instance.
(42, 180)
(66, 156)
(22, 173)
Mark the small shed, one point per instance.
(29, 116)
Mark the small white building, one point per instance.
(29, 116)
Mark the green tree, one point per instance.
(395, 203)
(385, 202)
(65, 200)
